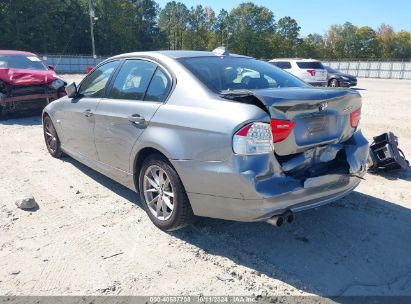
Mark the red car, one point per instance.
(26, 83)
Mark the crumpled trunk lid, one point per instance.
(321, 116)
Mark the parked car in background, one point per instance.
(211, 134)
(26, 83)
(339, 79)
(310, 70)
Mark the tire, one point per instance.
(334, 83)
(160, 189)
(3, 113)
(51, 138)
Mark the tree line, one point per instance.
(63, 27)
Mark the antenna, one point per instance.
(221, 51)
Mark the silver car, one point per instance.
(211, 134)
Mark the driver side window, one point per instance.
(94, 85)
(132, 80)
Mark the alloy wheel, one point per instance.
(158, 192)
(334, 83)
(51, 139)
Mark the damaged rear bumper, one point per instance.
(257, 188)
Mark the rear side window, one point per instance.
(132, 80)
(282, 64)
(159, 87)
(316, 65)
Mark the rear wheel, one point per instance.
(334, 83)
(163, 194)
(51, 138)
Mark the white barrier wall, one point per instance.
(374, 69)
(364, 69)
(68, 64)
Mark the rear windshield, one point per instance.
(21, 62)
(282, 64)
(331, 70)
(310, 65)
(238, 73)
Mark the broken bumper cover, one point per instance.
(17, 98)
(255, 188)
(25, 102)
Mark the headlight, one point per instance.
(2, 87)
(345, 78)
(57, 84)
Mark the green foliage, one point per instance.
(250, 27)
(286, 36)
(173, 22)
(313, 46)
(137, 25)
(351, 42)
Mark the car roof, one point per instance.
(10, 52)
(176, 54)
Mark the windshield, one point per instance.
(21, 62)
(237, 73)
(331, 70)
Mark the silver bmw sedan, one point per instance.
(211, 134)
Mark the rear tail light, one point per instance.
(355, 118)
(254, 138)
(312, 72)
(281, 129)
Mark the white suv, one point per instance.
(309, 70)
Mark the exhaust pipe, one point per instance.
(276, 221)
(279, 220)
(289, 217)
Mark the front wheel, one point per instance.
(334, 83)
(163, 194)
(51, 138)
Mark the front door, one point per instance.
(139, 89)
(77, 119)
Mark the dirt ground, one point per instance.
(90, 235)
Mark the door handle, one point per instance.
(88, 113)
(136, 118)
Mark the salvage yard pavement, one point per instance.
(90, 236)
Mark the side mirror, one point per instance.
(50, 67)
(71, 90)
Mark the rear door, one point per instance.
(312, 71)
(77, 117)
(137, 91)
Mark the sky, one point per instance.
(316, 16)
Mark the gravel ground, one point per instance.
(90, 236)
